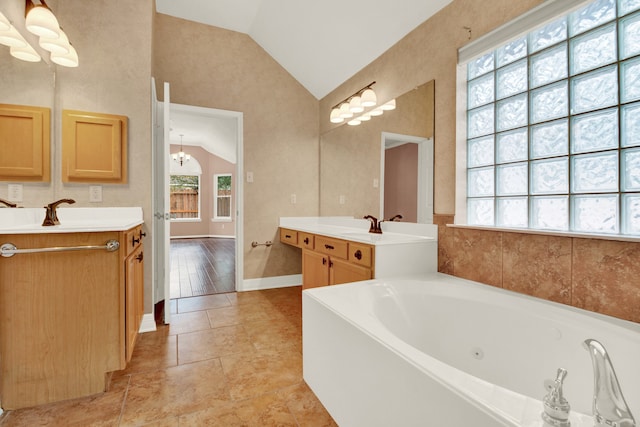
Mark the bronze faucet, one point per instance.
(393, 218)
(8, 204)
(51, 217)
(375, 226)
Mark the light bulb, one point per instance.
(12, 38)
(59, 46)
(26, 53)
(42, 22)
(376, 112)
(354, 122)
(368, 98)
(345, 113)
(335, 116)
(66, 60)
(391, 105)
(364, 118)
(355, 106)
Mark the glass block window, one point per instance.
(553, 125)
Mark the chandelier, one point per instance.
(181, 157)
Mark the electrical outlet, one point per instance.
(342, 199)
(95, 193)
(376, 183)
(293, 199)
(249, 176)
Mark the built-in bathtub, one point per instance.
(444, 351)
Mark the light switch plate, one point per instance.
(249, 176)
(95, 193)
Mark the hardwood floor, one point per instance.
(202, 266)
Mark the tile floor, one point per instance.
(226, 360)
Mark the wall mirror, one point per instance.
(25, 83)
(353, 159)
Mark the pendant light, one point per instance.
(41, 21)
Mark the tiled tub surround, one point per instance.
(485, 368)
(225, 360)
(593, 274)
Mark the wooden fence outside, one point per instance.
(184, 203)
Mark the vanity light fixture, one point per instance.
(19, 47)
(41, 21)
(181, 157)
(353, 108)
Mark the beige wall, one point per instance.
(210, 165)
(227, 70)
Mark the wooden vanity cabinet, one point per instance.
(330, 261)
(67, 319)
(134, 287)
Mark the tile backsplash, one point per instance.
(592, 274)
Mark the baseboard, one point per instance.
(148, 323)
(203, 236)
(270, 283)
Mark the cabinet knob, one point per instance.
(287, 236)
(143, 234)
(140, 257)
(358, 254)
(134, 241)
(324, 261)
(306, 240)
(329, 247)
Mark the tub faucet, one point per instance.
(609, 406)
(375, 226)
(556, 407)
(393, 218)
(7, 204)
(51, 217)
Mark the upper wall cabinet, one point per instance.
(94, 147)
(25, 143)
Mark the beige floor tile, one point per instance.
(152, 354)
(274, 334)
(253, 374)
(158, 395)
(213, 343)
(102, 410)
(188, 322)
(238, 314)
(305, 406)
(202, 303)
(263, 411)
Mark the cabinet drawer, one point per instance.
(305, 240)
(289, 237)
(329, 246)
(132, 239)
(360, 254)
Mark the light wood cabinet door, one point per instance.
(134, 298)
(25, 141)
(94, 147)
(345, 272)
(315, 269)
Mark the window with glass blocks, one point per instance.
(553, 125)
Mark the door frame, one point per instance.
(425, 171)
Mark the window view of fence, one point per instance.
(184, 196)
(222, 198)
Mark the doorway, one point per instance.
(203, 229)
(225, 129)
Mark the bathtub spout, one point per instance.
(556, 407)
(609, 406)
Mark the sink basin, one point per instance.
(29, 220)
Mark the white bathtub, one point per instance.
(443, 351)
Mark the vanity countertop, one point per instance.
(72, 220)
(353, 229)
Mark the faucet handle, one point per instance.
(556, 407)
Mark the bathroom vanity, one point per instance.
(339, 250)
(71, 301)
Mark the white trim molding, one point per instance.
(269, 283)
(148, 323)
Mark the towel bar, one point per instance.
(9, 249)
